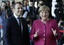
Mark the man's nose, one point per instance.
(21, 9)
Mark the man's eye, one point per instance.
(21, 8)
(18, 8)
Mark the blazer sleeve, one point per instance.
(7, 33)
(57, 30)
(32, 31)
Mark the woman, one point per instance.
(45, 31)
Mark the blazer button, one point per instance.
(43, 38)
(44, 30)
(44, 34)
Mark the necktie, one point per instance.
(20, 24)
(19, 19)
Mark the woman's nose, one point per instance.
(44, 13)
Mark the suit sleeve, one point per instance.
(7, 33)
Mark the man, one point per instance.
(3, 7)
(14, 34)
(8, 8)
(26, 9)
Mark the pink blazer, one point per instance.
(45, 34)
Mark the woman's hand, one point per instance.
(54, 32)
(36, 34)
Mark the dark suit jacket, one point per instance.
(12, 32)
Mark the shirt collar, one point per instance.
(16, 16)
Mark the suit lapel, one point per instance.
(16, 23)
(14, 19)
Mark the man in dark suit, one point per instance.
(13, 33)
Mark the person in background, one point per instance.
(2, 20)
(45, 30)
(3, 7)
(61, 41)
(29, 21)
(8, 9)
(16, 29)
(32, 11)
(26, 9)
(57, 12)
(40, 3)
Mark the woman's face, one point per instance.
(44, 14)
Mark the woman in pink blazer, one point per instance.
(44, 31)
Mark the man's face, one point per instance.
(18, 10)
(8, 3)
(3, 5)
(25, 3)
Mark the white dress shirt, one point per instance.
(18, 20)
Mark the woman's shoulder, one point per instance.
(36, 21)
(53, 20)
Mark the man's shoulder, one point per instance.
(10, 18)
(23, 19)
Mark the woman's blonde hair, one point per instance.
(43, 8)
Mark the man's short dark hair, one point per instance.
(3, 2)
(18, 3)
(8, 1)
